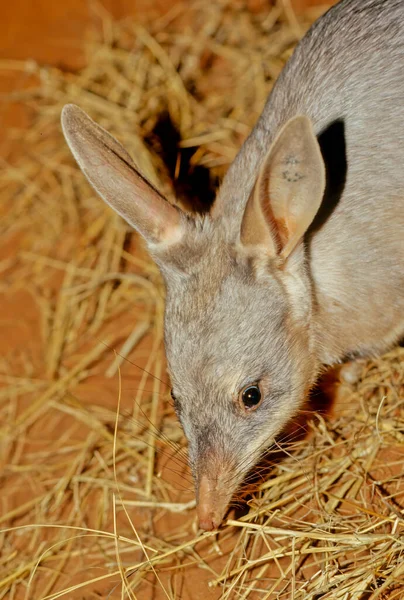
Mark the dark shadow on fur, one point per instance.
(193, 185)
(333, 149)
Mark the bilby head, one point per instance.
(238, 303)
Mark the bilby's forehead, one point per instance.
(221, 292)
(229, 335)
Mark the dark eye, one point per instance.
(251, 396)
(172, 395)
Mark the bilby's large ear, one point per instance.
(112, 173)
(288, 191)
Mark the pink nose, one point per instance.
(210, 510)
(208, 523)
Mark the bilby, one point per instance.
(300, 261)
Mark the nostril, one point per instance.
(206, 524)
(210, 521)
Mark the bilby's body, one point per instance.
(347, 76)
(301, 261)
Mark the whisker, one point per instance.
(135, 365)
(163, 436)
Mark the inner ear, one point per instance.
(288, 191)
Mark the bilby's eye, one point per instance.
(250, 397)
(172, 395)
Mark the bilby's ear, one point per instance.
(288, 192)
(112, 173)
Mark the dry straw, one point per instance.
(96, 501)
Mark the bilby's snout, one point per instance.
(213, 497)
(208, 514)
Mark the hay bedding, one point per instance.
(96, 500)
